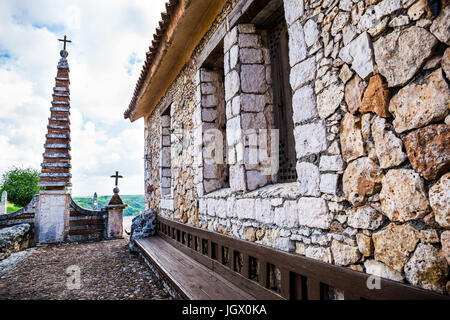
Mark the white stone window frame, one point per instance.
(166, 142)
(210, 108)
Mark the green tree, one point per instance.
(21, 185)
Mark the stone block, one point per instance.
(252, 102)
(304, 104)
(302, 73)
(310, 139)
(329, 183)
(287, 216)
(313, 212)
(331, 163)
(251, 56)
(297, 44)
(293, 10)
(253, 78)
(308, 179)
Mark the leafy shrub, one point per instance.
(21, 185)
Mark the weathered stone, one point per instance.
(429, 236)
(354, 91)
(394, 244)
(253, 78)
(255, 179)
(427, 268)
(366, 126)
(310, 139)
(329, 183)
(379, 27)
(297, 45)
(344, 254)
(142, 226)
(293, 9)
(364, 217)
(378, 268)
(445, 241)
(331, 163)
(360, 54)
(429, 150)
(232, 84)
(250, 234)
(311, 32)
(440, 201)
(348, 34)
(302, 73)
(394, 57)
(376, 13)
(339, 22)
(351, 137)
(329, 100)
(304, 104)
(376, 97)
(420, 104)
(313, 212)
(388, 147)
(445, 63)
(365, 244)
(14, 239)
(249, 55)
(319, 253)
(308, 179)
(361, 180)
(399, 21)
(346, 74)
(287, 216)
(403, 201)
(249, 103)
(441, 26)
(416, 11)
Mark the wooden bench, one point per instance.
(201, 264)
(190, 279)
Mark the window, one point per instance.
(165, 167)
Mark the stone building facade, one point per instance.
(369, 105)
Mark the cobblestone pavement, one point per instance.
(108, 271)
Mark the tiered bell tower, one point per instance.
(55, 177)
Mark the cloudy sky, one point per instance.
(110, 38)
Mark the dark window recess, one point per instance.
(282, 100)
(253, 273)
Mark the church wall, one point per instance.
(370, 108)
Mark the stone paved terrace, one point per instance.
(108, 272)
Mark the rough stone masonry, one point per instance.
(370, 100)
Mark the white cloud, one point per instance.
(110, 39)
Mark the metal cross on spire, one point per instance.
(65, 41)
(117, 177)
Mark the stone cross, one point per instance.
(95, 201)
(4, 205)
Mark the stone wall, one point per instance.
(370, 107)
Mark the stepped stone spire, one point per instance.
(55, 169)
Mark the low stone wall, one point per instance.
(14, 239)
(86, 225)
(24, 215)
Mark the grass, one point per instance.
(11, 207)
(136, 203)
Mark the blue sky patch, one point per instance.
(132, 60)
